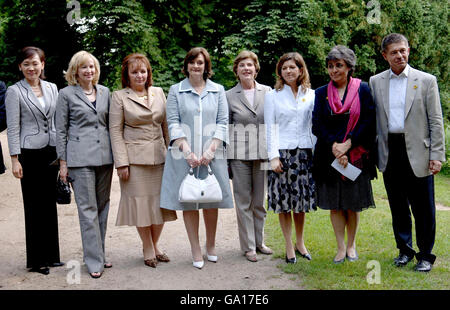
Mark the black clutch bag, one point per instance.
(63, 192)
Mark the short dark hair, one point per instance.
(132, 58)
(344, 53)
(30, 51)
(191, 55)
(392, 38)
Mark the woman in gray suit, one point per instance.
(247, 153)
(84, 152)
(30, 109)
(197, 117)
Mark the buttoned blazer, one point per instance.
(30, 126)
(424, 130)
(138, 131)
(199, 118)
(82, 130)
(247, 130)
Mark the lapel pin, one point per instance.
(303, 99)
(415, 86)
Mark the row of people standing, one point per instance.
(341, 115)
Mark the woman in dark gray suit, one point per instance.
(248, 153)
(30, 109)
(84, 152)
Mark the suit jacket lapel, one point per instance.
(100, 94)
(32, 97)
(259, 96)
(151, 97)
(80, 94)
(47, 92)
(411, 90)
(241, 96)
(385, 91)
(133, 97)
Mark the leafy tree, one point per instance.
(37, 23)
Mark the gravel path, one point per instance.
(123, 249)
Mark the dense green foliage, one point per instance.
(166, 29)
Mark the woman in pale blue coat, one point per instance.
(197, 116)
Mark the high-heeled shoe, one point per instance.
(292, 260)
(307, 255)
(198, 265)
(212, 258)
(163, 258)
(41, 270)
(152, 262)
(58, 264)
(352, 258)
(95, 275)
(338, 261)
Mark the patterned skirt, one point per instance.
(293, 189)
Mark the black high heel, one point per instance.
(291, 260)
(307, 255)
(41, 270)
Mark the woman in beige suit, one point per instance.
(139, 137)
(248, 153)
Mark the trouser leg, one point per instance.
(84, 186)
(242, 189)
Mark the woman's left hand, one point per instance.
(207, 156)
(343, 161)
(340, 149)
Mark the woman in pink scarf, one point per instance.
(344, 124)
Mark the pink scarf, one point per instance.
(353, 104)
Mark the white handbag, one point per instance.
(198, 190)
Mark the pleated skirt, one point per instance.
(140, 198)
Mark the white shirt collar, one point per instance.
(405, 73)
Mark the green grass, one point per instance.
(375, 242)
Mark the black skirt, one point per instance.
(334, 193)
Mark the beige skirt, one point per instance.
(139, 201)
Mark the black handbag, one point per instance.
(63, 192)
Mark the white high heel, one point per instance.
(212, 258)
(199, 264)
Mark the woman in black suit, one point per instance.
(2, 122)
(344, 124)
(30, 109)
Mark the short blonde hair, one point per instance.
(244, 55)
(77, 60)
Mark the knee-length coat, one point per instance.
(199, 118)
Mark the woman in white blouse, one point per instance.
(288, 118)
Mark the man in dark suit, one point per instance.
(410, 135)
(2, 122)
